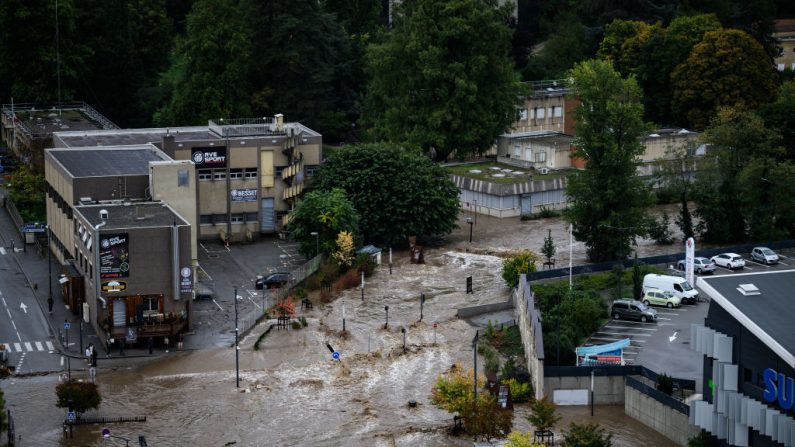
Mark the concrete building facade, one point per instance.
(785, 34)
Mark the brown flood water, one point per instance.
(292, 393)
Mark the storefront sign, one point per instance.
(779, 388)
(185, 283)
(114, 256)
(244, 195)
(209, 157)
(114, 286)
(690, 251)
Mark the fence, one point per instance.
(652, 260)
(659, 396)
(617, 370)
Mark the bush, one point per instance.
(518, 439)
(513, 266)
(303, 322)
(364, 263)
(325, 295)
(299, 293)
(665, 383)
(660, 231)
(486, 419)
(83, 395)
(520, 391)
(297, 325)
(543, 414)
(547, 212)
(586, 435)
(453, 390)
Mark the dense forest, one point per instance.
(321, 62)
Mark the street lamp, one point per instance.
(469, 221)
(49, 271)
(237, 347)
(317, 242)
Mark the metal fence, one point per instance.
(617, 370)
(652, 260)
(659, 396)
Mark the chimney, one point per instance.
(279, 122)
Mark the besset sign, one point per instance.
(779, 388)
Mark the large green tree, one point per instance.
(727, 68)
(209, 67)
(302, 64)
(327, 213)
(780, 115)
(443, 79)
(607, 200)
(397, 192)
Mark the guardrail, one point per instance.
(658, 395)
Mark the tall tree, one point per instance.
(396, 192)
(29, 56)
(327, 213)
(727, 68)
(607, 200)
(437, 83)
(208, 73)
(780, 115)
(302, 67)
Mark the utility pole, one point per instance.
(475, 358)
(237, 348)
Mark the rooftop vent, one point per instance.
(748, 289)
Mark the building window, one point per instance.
(278, 173)
(250, 172)
(311, 170)
(541, 156)
(238, 218)
(182, 178)
(206, 219)
(205, 175)
(219, 218)
(236, 173)
(557, 111)
(780, 68)
(540, 113)
(219, 174)
(522, 114)
(251, 217)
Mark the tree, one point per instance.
(571, 43)
(637, 278)
(302, 67)
(514, 266)
(518, 439)
(607, 200)
(543, 414)
(665, 383)
(586, 435)
(208, 76)
(344, 254)
(452, 391)
(437, 83)
(396, 192)
(27, 192)
(780, 115)
(727, 68)
(548, 250)
(674, 176)
(327, 213)
(78, 396)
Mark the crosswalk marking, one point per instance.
(30, 346)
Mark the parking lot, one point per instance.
(663, 346)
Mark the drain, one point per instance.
(212, 256)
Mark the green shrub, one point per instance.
(83, 395)
(665, 383)
(586, 435)
(520, 391)
(303, 322)
(513, 266)
(547, 212)
(299, 293)
(543, 414)
(296, 325)
(660, 230)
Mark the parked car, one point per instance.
(632, 309)
(273, 280)
(677, 285)
(700, 265)
(730, 261)
(658, 297)
(764, 255)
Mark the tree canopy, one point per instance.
(397, 192)
(437, 83)
(727, 68)
(607, 200)
(327, 213)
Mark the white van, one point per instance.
(674, 284)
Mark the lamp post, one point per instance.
(390, 260)
(422, 302)
(317, 242)
(475, 358)
(571, 240)
(68, 357)
(49, 271)
(386, 310)
(475, 209)
(469, 221)
(343, 315)
(403, 330)
(237, 348)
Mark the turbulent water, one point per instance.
(293, 393)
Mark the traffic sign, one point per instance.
(71, 417)
(335, 355)
(66, 325)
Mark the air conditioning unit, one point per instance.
(543, 171)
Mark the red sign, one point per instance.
(608, 358)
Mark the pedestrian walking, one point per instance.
(166, 343)
(108, 343)
(151, 344)
(88, 353)
(49, 304)
(179, 343)
(92, 371)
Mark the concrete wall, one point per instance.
(532, 339)
(467, 312)
(608, 390)
(654, 414)
(163, 187)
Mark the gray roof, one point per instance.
(108, 161)
(131, 215)
(767, 315)
(117, 137)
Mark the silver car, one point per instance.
(700, 265)
(764, 255)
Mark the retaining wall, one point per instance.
(607, 390)
(663, 419)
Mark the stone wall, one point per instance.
(665, 420)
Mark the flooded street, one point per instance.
(293, 393)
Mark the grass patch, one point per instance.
(508, 340)
(463, 170)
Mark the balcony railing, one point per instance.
(292, 170)
(293, 191)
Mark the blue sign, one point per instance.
(779, 387)
(66, 325)
(335, 355)
(244, 195)
(34, 228)
(71, 416)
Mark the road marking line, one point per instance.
(782, 263)
(667, 313)
(6, 305)
(659, 318)
(260, 307)
(632, 328)
(219, 306)
(28, 346)
(39, 346)
(15, 328)
(19, 337)
(18, 347)
(616, 339)
(52, 348)
(9, 316)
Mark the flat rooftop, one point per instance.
(131, 215)
(770, 311)
(108, 161)
(43, 121)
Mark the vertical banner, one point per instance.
(690, 250)
(114, 256)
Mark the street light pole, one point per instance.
(475, 358)
(68, 357)
(571, 231)
(469, 221)
(49, 271)
(237, 348)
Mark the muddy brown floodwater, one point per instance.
(293, 393)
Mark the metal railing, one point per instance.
(659, 396)
(89, 112)
(244, 127)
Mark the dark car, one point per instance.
(633, 310)
(273, 280)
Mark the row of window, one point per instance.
(220, 174)
(541, 113)
(215, 219)
(782, 67)
(59, 201)
(540, 156)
